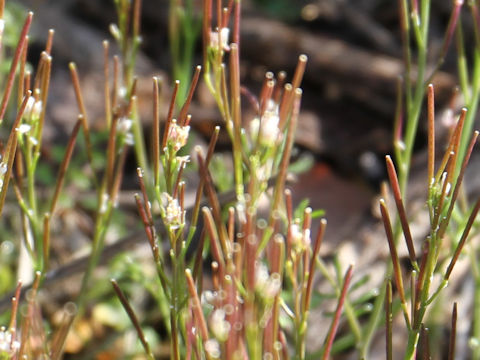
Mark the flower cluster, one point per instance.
(300, 238)
(219, 326)
(266, 285)
(30, 118)
(33, 109)
(174, 215)
(177, 135)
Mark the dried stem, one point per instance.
(431, 135)
(16, 57)
(389, 321)
(11, 149)
(392, 175)
(183, 112)
(338, 312)
(463, 239)
(64, 166)
(133, 318)
(197, 307)
(170, 114)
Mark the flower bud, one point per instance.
(115, 32)
(33, 109)
(267, 126)
(218, 325)
(215, 37)
(266, 285)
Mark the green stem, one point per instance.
(413, 109)
(472, 111)
(139, 145)
(101, 226)
(412, 342)
(375, 318)
(349, 310)
(412, 123)
(476, 319)
(462, 66)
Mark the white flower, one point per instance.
(254, 126)
(442, 182)
(37, 109)
(7, 343)
(30, 104)
(33, 109)
(33, 140)
(267, 286)
(183, 160)
(208, 297)
(400, 144)
(2, 28)
(173, 213)
(104, 204)
(23, 128)
(212, 347)
(261, 276)
(218, 325)
(273, 286)
(129, 140)
(122, 92)
(124, 125)
(115, 31)
(296, 234)
(3, 171)
(269, 132)
(264, 172)
(214, 38)
(177, 135)
(300, 238)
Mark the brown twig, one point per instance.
(16, 57)
(133, 318)
(64, 165)
(338, 312)
(392, 175)
(453, 334)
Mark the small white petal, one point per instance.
(23, 128)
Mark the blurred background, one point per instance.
(345, 128)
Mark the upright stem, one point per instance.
(236, 111)
(139, 146)
(175, 355)
(413, 111)
(472, 110)
(476, 319)
(101, 226)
